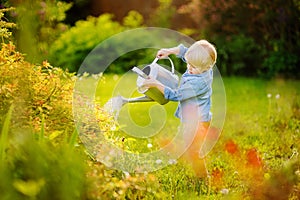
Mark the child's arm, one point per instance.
(187, 90)
(162, 53)
(151, 82)
(179, 51)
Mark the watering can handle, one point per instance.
(172, 64)
(140, 72)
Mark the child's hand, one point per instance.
(163, 53)
(150, 82)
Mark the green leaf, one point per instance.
(29, 188)
(55, 134)
(4, 134)
(73, 138)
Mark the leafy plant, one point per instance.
(4, 135)
(280, 62)
(39, 28)
(239, 55)
(133, 20)
(259, 24)
(35, 91)
(71, 48)
(163, 14)
(38, 170)
(5, 32)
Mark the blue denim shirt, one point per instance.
(194, 92)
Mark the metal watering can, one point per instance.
(166, 77)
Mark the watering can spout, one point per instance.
(136, 99)
(115, 104)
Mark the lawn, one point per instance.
(256, 156)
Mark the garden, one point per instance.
(47, 151)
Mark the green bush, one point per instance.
(35, 170)
(71, 48)
(39, 158)
(5, 32)
(280, 62)
(239, 55)
(163, 14)
(36, 91)
(39, 28)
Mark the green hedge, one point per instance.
(70, 49)
(238, 54)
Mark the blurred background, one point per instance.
(253, 38)
(41, 155)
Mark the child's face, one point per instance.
(192, 69)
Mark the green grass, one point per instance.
(256, 156)
(262, 116)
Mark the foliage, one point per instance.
(37, 91)
(133, 20)
(40, 159)
(35, 169)
(163, 14)
(269, 25)
(51, 16)
(38, 29)
(5, 33)
(71, 48)
(257, 156)
(112, 184)
(4, 135)
(241, 56)
(280, 62)
(38, 170)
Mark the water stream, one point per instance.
(114, 105)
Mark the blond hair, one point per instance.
(201, 54)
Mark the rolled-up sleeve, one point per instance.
(171, 94)
(182, 51)
(186, 91)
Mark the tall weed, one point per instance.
(4, 135)
(39, 170)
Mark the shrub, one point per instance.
(133, 20)
(39, 28)
(37, 91)
(38, 100)
(70, 49)
(5, 26)
(35, 169)
(280, 61)
(38, 170)
(239, 55)
(163, 14)
(112, 184)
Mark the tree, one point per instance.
(274, 27)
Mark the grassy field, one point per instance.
(256, 156)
